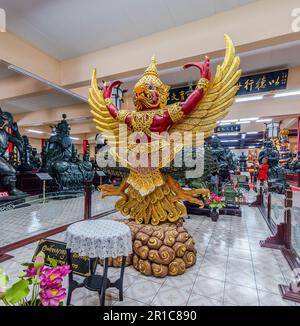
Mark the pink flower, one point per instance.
(64, 270)
(50, 277)
(30, 271)
(208, 201)
(212, 196)
(52, 297)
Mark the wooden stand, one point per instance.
(288, 294)
(87, 200)
(4, 256)
(293, 179)
(259, 198)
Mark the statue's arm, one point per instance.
(194, 99)
(122, 116)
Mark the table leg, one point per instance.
(121, 278)
(104, 283)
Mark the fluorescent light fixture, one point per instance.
(229, 141)
(248, 99)
(249, 119)
(264, 120)
(252, 132)
(35, 131)
(231, 121)
(75, 138)
(47, 82)
(251, 146)
(231, 147)
(243, 136)
(285, 94)
(244, 122)
(228, 134)
(225, 123)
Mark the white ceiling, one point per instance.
(47, 100)
(69, 28)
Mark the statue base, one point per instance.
(161, 250)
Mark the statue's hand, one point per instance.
(108, 190)
(203, 67)
(108, 90)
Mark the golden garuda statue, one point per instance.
(142, 139)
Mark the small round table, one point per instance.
(98, 239)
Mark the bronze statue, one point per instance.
(7, 171)
(62, 159)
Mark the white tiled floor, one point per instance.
(231, 269)
(27, 221)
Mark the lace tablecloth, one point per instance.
(99, 238)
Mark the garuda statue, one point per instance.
(145, 140)
(7, 171)
(62, 160)
(148, 196)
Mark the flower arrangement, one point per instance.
(215, 202)
(39, 285)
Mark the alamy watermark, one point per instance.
(139, 150)
(296, 22)
(2, 20)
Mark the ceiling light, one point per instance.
(228, 134)
(35, 131)
(243, 136)
(229, 141)
(284, 94)
(247, 99)
(244, 122)
(252, 132)
(233, 120)
(249, 119)
(264, 120)
(231, 147)
(225, 123)
(75, 138)
(251, 146)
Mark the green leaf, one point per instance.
(53, 262)
(17, 292)
(3, 280)
(27, 264)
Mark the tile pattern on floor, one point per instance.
(231, 268)
(27, 221)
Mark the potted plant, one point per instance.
(215, 202)
(39, 285)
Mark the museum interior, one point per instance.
(149, 153)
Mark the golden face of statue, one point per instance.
(146, 96)
(149, 92)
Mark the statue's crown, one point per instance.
(152, 70)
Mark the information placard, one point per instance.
(57, 250)
(44, 176)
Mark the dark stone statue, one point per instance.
(26, 156)
(219, 156)
(62, 160)
(7, 171)
(276, 174)
(243, 162)
(294, 165)
(35, 160)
